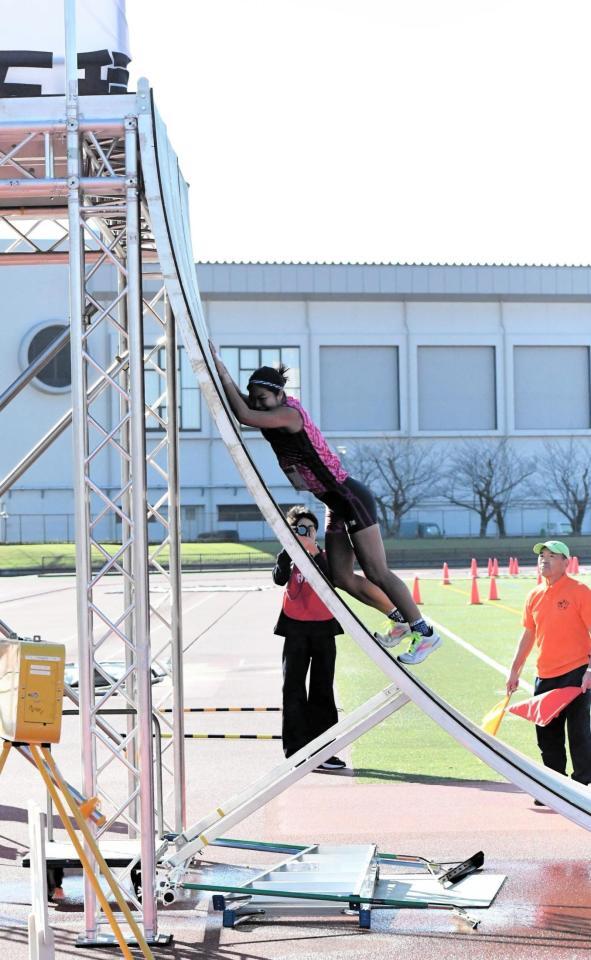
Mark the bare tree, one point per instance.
(563, 480)
(483, 476)
(400, 473)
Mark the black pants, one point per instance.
(307, 713)
(575, 717)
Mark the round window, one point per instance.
(57, 374)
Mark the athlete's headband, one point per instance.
(265, 383)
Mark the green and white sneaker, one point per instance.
(420, 647)
(392, 634)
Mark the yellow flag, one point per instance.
(492, 720)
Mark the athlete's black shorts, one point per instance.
(351, 507)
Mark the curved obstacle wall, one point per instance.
(166, 195)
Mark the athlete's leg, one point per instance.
(369, 549)
(341, 559)
(353, 507)
(370, 552)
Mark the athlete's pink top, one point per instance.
(305, 457)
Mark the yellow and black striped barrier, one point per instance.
(220, 736)
(224, 710)
(225, 736)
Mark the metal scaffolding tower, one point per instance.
(70, 194)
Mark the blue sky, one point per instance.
(376, 130)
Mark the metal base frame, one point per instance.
(322, 878)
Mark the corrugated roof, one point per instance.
(387, 263)
(392, 281)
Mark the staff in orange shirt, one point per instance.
(557, 620)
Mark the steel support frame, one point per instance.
(125, 436)
(84, 180)
(130, 506)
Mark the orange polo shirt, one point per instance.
(560, 616)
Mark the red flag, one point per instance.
(542, 709)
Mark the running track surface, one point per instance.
(544, 908)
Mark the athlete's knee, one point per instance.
(342, 579)
(378, 573)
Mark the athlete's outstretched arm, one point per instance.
(220, 365)
(281, 416)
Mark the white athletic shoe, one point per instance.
(393, 634)
(420, 647)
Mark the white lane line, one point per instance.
(478, 653)
(159, 626)
(184, 612)
(35, 596)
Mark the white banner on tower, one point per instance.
(32, 47)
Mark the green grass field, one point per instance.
(58, 556)
(408, 745)
(419, 553)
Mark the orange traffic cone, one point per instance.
(575, 565)
(569, 566)
(515, 567)
(416, 591)
(495, 567)
(473, 568)
(446, 578)
(475, 596)
(493, 593)
(489, 567)
(510, 566)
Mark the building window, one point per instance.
(242, 512)
(552, 388)
(189, 394)
(457, 388)
(56, 376)
(243, 361)
(359, 388)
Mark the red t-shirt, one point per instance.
(560, 616)
(300, 602)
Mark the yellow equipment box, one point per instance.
(31, 690)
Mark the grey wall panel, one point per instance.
(457, 389)
(359, 388)
(551, 387)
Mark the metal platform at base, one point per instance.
(356, 879)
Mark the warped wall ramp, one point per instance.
(166, 195)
